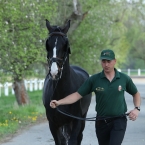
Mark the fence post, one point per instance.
(25, 82)
(13, 90)
(40, 84)
(1, 90)
(6, 87)
(11, 86)
(35, 84)
(31, 86)
(139, 72)
(128, 72)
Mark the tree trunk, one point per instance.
(20, 92)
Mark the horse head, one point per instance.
(57, 47)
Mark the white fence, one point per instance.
(133, 72)
(31, 85)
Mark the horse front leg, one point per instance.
(66, 131)
(56, 132)
(77, 132)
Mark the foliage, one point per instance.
(105, 24)
(64, 10)
(23, 34)
(118, 25)
(135, 36)
(101, 28)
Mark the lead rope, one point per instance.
(91, 118)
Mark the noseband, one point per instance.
(59, 61)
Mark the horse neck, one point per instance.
(61, 86)
(66, 70)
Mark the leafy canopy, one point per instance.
(23, 34)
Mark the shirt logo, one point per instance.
(99, 89)
(119, 88)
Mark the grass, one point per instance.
(14, 117)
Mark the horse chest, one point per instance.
(58, 118)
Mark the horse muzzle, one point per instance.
(55, 72)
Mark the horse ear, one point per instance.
(66, 27)
(48, 26)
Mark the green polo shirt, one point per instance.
(110, 100)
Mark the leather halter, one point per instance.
(60, 62)
(57, 33)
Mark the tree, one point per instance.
(95, 25)
(22, 36)
(136, 34)
(103, 27)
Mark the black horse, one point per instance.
(61, 81)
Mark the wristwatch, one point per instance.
(138, 108)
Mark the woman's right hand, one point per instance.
(54, 103)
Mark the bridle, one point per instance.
(59, 61)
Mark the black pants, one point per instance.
(111, 132)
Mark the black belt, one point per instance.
(108, 120)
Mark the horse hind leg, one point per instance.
(57, 134)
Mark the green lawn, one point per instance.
(14, 117)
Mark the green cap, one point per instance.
(107, 54)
